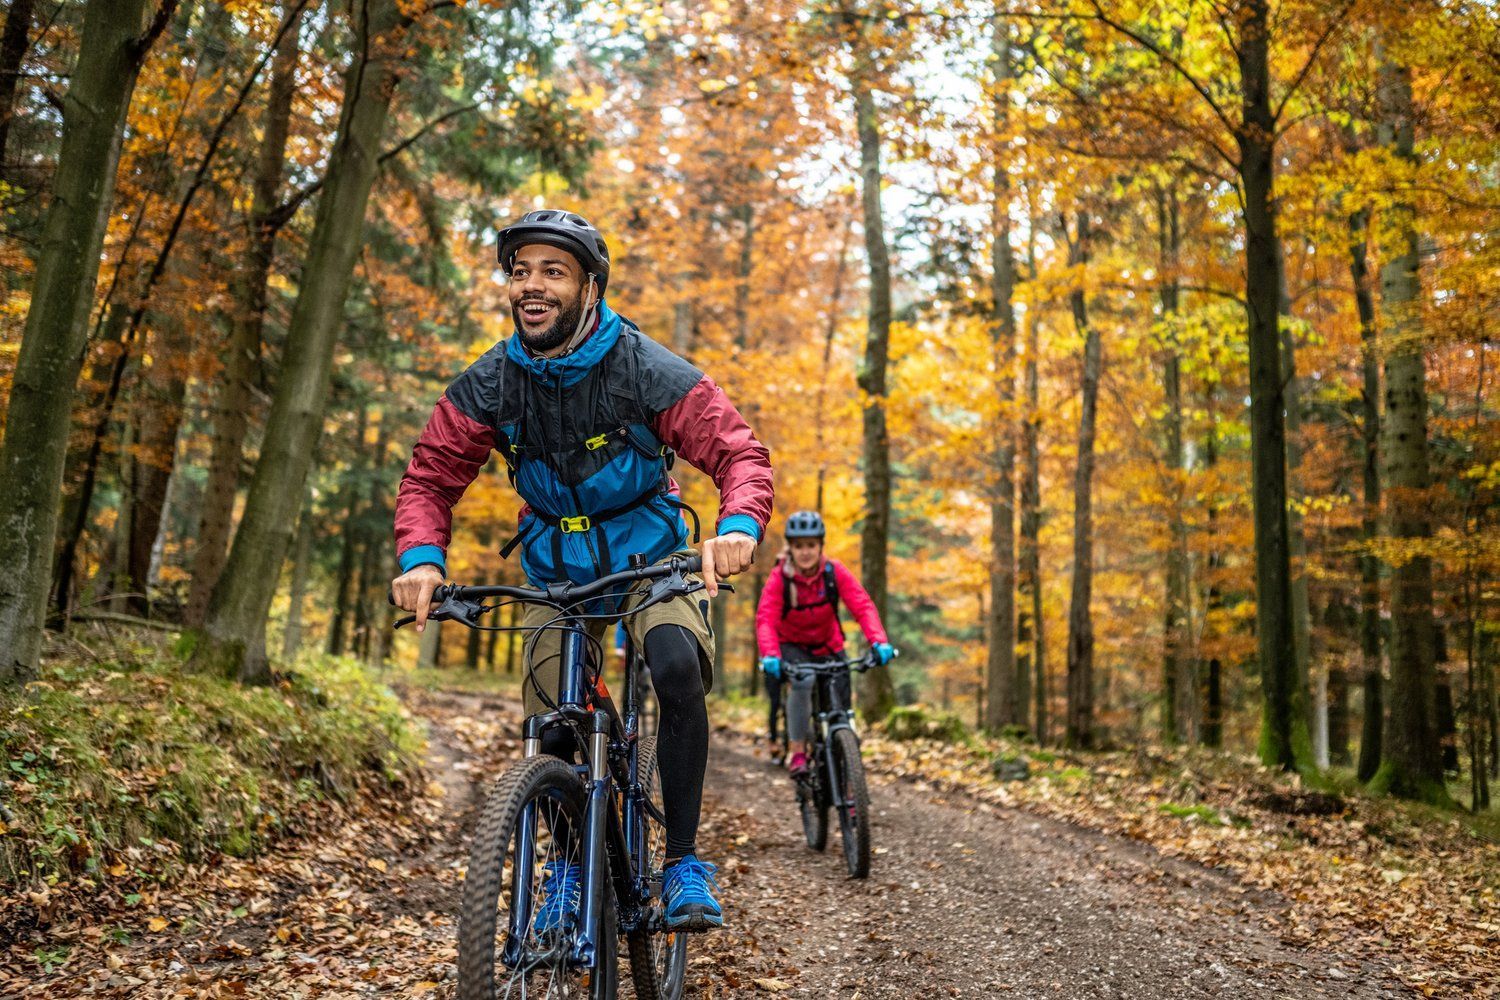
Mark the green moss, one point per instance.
(103, 760)
(1204, 813)
(1390, 780)
(912, 722)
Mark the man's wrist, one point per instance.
(740, 524)
(423, 555)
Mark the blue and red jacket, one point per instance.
(588, 439)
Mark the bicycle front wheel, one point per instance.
(658, 957)
(532, 824)
(854, 814)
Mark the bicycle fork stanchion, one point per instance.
(595, 862)
(520, 889)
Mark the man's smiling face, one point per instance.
(547, 286)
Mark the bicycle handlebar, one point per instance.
(462, 604)
(867, 662)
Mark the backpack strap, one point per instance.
(830, 592)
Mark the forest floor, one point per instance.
(967, 898)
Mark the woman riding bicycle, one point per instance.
(797, 621)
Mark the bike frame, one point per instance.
(831, 718)
(614, 828)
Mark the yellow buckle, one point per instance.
(572, 524)
(595, 443)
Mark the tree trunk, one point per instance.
(490, 645)
(124, 316)
(1080, 727)
(115, 565)
(1004, 707)
(242, 352)
(237, 609)
(15, 39)
(291, 639)
(429, 646)
(830, 330)
(876, 690)
(111, 51)
(1179, 679)
(1296, 537)
(513, 640)
(1412, 765)
(746, 215)
(1284, 741)
(1212, 729)
(1030, 571)
(348, 537)
(165, 386)
(1373, 723)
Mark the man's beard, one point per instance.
(559, 333)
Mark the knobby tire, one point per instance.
(854, 815)
(658, 960)
(541, 779)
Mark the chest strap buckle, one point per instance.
(572, 524)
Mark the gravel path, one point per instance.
(964, 900)
(967, 900)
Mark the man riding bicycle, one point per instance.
(797, 621)
(588, 414)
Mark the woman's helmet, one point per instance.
(563, 230)
(805, 524)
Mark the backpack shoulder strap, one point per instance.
(831, 586)
(786, 591)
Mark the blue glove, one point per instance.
(885, 652)
(771, 665)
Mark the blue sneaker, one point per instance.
(687, 890)
(563, 888)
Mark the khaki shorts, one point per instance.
(544, 649)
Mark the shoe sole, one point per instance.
(701, 918)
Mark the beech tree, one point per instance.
(117, 35)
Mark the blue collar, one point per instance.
(571, 367)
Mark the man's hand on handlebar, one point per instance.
(725, 556)
(412, 591)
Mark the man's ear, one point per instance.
(590, 294)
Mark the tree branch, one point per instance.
(155, 28)
(1167, 58)
(1333, 24)
(281, 214)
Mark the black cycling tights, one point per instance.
(681, 741)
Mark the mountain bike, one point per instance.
(835, 775)
(604, 813)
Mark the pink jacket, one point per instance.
(815, 627)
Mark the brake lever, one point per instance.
(451, 610)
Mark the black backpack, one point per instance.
(830, 593)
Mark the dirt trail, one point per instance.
(965, 900)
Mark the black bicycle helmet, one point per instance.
(805, 524)
(564, 230)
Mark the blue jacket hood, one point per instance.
(572, 367)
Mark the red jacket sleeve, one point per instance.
(707, 431)
(860, 604)
(768, 614)
(447, 458)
